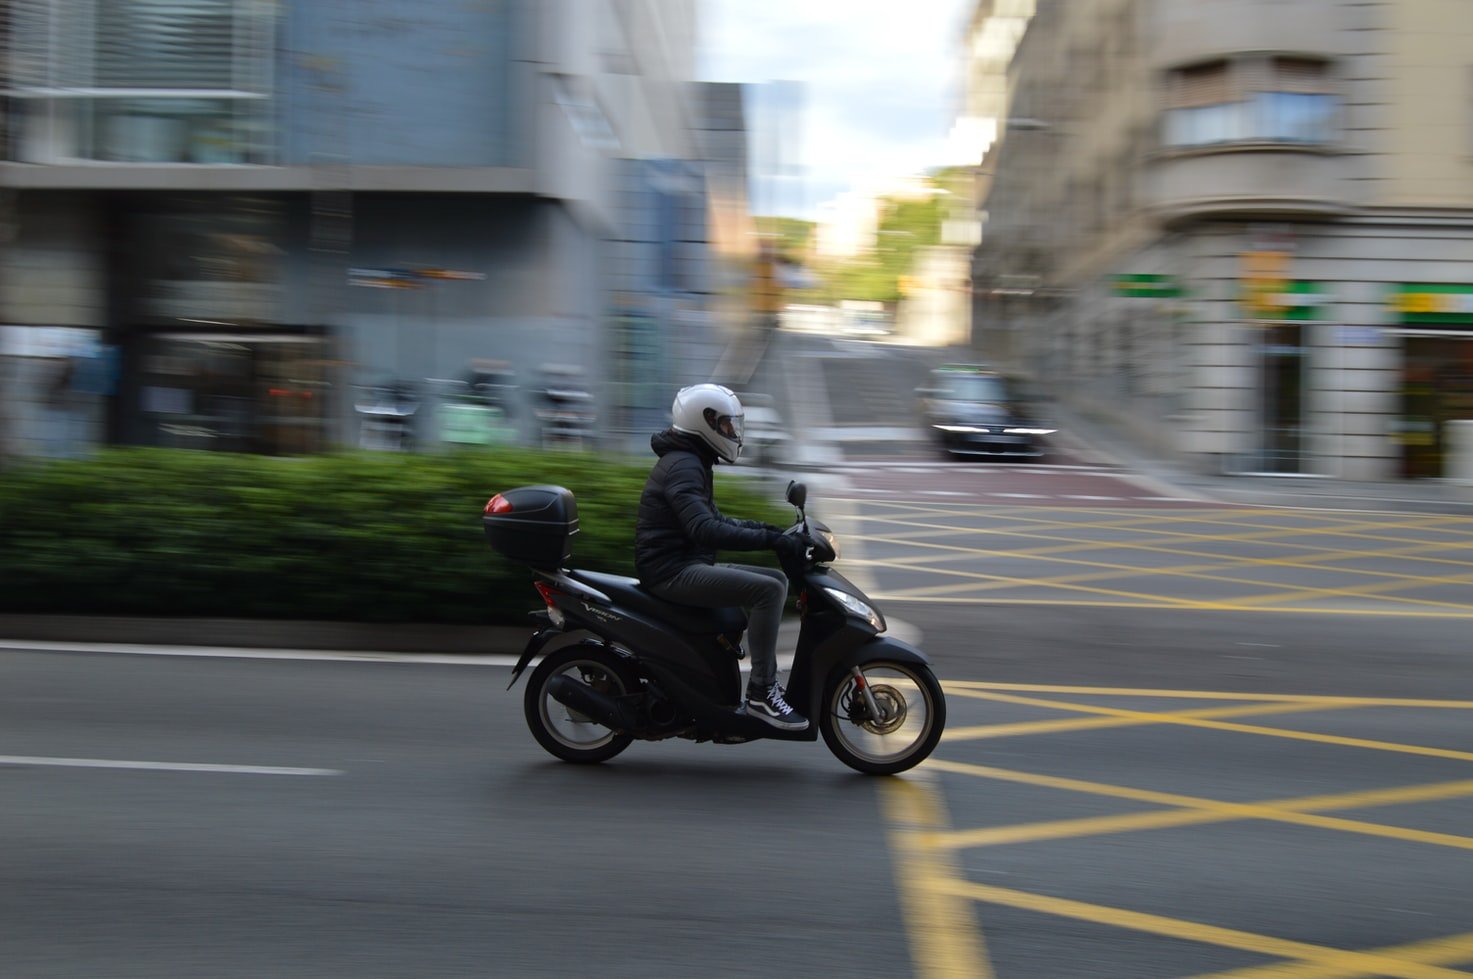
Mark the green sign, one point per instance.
(1146, 286)
(1292, 300)
(1444, 304)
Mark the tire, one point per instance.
(900, 742)
(562, 732)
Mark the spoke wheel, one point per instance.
(912, 715)
(563, 731)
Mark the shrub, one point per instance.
(346, 537)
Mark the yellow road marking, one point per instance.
(1055, 517)
(1307, 698)
(1312, 562)
(1194, 810)
(1270, 535)
(1273, 732)
(979, 581)
(944, 939)
(1275, 535)
(1437, 951)
(1195, 931)
(1096, 723)
(1107, 570)
(1361, 591)
(1165, 603)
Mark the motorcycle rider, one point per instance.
(679, 531)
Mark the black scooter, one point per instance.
(620, 664)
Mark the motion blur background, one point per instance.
(1239, 232)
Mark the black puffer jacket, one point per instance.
(678, 522)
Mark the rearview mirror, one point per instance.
(797, 493)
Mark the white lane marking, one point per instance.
(161, 766)
(1168, 499)
(1072, 497)
(943, 493)
(229, 652)
(1022, 496)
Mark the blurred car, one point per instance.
(766, 440)
(973, 410)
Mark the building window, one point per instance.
(142, 81)
(1250, 100)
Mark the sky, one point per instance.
(876, 90)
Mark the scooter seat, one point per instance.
(689, 619)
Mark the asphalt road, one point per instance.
(398, 820)
(1250, 758)
(391, 819)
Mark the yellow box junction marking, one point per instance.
(944, 938)
(1437, 951)
(1305, 960)
(1380, 965)
(1295, 546)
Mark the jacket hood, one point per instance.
(672, 441)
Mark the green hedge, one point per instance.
(349, 537)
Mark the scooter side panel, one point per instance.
(704, 668)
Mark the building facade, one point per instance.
(245, 220)
(1241, 230)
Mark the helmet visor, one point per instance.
(730, 426)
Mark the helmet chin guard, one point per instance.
(712, 413)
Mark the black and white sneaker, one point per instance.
(770, 706)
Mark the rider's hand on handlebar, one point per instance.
(792, 554)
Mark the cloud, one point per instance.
(880, 80)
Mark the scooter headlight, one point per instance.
(827, 538)
(856, 607)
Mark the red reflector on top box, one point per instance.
(536, 526)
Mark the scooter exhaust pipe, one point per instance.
(598, 707)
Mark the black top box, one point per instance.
(533, 525)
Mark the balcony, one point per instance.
(1252, 179)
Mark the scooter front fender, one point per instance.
(882, 648)
(814, 670)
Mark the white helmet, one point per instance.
(712, 412)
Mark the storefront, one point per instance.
(1277, 309)
(1435, 322)
(234, 392)
(212, 357)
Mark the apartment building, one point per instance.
(1241, 230)
(239, 217)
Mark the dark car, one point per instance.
(973, 410)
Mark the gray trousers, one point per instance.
(762, 592)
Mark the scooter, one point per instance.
(387, 417)
(619, 664)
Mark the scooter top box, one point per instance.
(533, 525)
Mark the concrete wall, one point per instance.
(1428, 61)
(388, 84)
(52, 272)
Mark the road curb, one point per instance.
(268, 634)
(343, 638)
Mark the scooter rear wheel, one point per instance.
(564, 732)
(913, 715)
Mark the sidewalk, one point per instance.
(1096, 442)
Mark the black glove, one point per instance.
(792, 554)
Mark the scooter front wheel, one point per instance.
(563, 731)
(887, 720)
